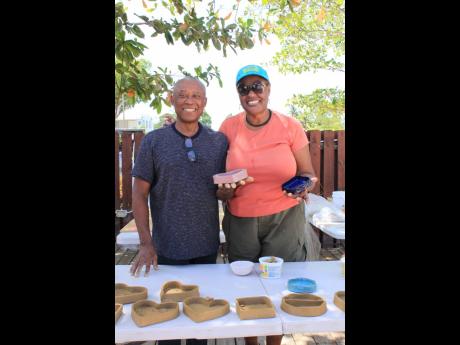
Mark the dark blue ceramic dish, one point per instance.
(296, 185)
(301, 285)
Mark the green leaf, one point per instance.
(248, 42)
(216, 43)
(137, 31)
(144, 18)
(169, 38)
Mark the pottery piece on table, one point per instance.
(125, 294)
(174, 291)
(259, 307)
(301, 285)
(145, 312)
(303, 304)
(118, 311)
(202, 309)
(339, 299)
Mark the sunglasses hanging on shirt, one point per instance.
(191, 154)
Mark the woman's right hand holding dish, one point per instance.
(226, 191)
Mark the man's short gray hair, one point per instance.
(189, 79)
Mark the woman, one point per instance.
(260, 218)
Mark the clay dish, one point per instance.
(146, 312)
(118, 311)
(259, 307)
(201, 309)
(230, 176)
(339, 299)
(174, 291)
(303, 304)
(125, 294)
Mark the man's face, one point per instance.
(189, 100)
(254, 102)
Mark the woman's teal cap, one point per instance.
(251, 70)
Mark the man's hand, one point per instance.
(226, 191)
(147, 256)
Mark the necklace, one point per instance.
(260, 124)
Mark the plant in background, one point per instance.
(322, 109)
(136, 82)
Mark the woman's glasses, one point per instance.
(257, 87)
(191, 154)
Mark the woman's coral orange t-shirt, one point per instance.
(267, 154)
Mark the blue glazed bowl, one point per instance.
(301, 285)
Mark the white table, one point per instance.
(329, 280)
(130, 239)
(315, 209)
(218, 281)
(333, 229)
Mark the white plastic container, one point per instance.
(270, 269)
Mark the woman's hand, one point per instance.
(304, 195)
(227, 191)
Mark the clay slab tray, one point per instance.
(259, 307)
(230, 176)
(146, 312)
(118, 311)
(303, 304)
(339, 299)
(201, 309)
(125, 294)
(174, 291)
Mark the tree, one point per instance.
(125, 88)
(205, 119)
(322, 109)
(311, 34)
(186, 26)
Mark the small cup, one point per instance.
(241, 268)
(270, 266)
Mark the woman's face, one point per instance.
(254, 103)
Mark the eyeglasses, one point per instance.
(258, 87)
(191, 154)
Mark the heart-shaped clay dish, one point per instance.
(174, 291)
(118, 311)
(303, 304)
(339, 299)
(200, 309)
(125, 294)
(259, 307)
(146, 312)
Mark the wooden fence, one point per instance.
(327, 149)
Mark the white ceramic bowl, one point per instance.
(242, 268)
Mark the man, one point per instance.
(175, 166)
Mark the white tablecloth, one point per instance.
(218, 281)
(318, 213)
(131, 239)
(328, 278)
